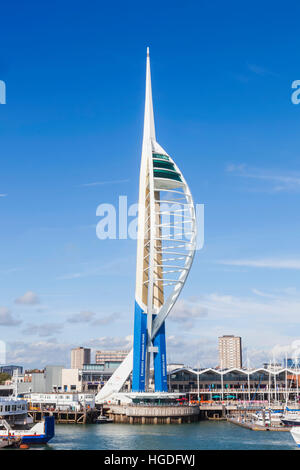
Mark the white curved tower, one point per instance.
(165, 251)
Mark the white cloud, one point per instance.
(101, 183)
(112, 342)
(279, 181)
(3, 195)
(274, 308)
(6, 318)
(90, 317)
(258, 70)
(290, 350)
(262, 320)
(38, 354)
(193, 352)
(82, 317)
(274, 263)
(29, 298)
(46, 329)
(187, 311)
(106, 320)
(114, 266)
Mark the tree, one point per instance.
(3, 377)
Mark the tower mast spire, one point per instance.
(149, 127)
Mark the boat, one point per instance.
(15, 423)
(40, 433)
(102, 419)
(291, 417)
(295, 432)
(271, 418)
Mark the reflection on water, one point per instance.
(203, 435)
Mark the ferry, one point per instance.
(16, 424)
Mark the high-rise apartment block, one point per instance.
(80, 356)
(230, 352)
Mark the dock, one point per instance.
(66, 417)
(257, 427)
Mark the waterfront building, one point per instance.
(53, 377)
(80, 356)
(110, 359)
(60, 401)
(45, 381)
(230, 352)
(166, 244)
(236, 384)
(92, 377)
(71, 380)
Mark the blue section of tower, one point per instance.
(139, 349)
(139, 354)
(160, 361)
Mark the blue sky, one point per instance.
(75, 76)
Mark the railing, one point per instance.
(155, 411)
(218, 391)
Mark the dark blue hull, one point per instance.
(288, 422)
(43, 439)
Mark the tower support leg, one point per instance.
(139, 349)
(160, 361)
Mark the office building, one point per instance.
(110, 359)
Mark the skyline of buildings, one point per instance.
(231, 351)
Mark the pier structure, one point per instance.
(66, 417)
(166, 246)
(154, 414)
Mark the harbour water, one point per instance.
(202, 435)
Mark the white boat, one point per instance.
(15, 423)
(102, 419)
(295, 432)
(14, 411)
(271, 418)
(291, 417)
